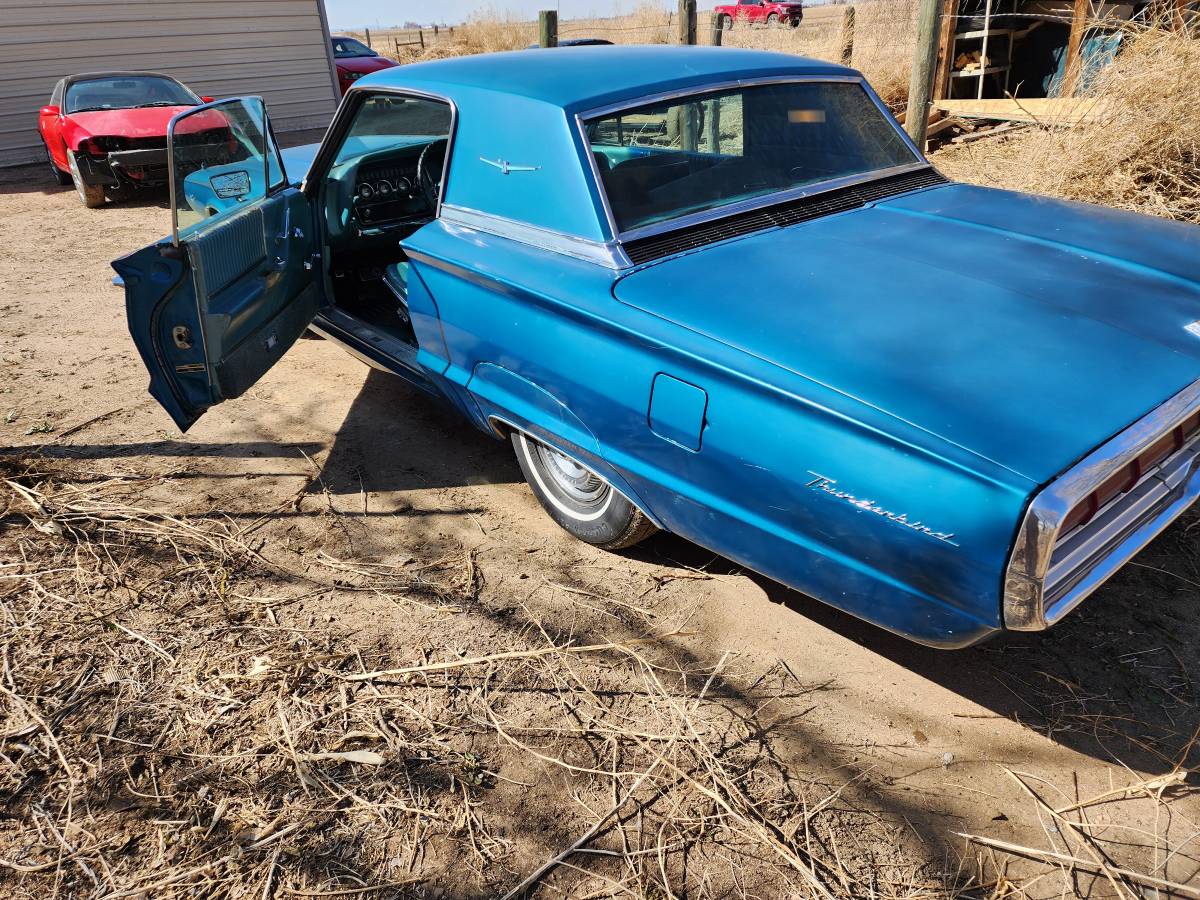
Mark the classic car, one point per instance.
(759, 12)
(106, 132)
(718, 292)
(353, 59)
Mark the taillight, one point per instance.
(1127, 477)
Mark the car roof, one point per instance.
(580, 77)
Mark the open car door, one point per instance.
(213, 308)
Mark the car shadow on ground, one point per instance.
(396, 438)
(1118, 680)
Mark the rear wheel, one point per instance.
(726, 22)
(92, 195)
(60, 176)
(578, 499)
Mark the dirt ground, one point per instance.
(342, 473)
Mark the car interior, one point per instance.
(382, 186)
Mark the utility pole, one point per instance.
(920, 89)
(548, 28)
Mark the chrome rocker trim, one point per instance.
(1046, 578)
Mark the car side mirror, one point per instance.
(49, 111)
(231, 185)
(206, 99)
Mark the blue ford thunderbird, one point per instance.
(720, 293)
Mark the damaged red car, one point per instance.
(106, 132)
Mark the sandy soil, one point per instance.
(348, 461)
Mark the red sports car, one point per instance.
(354, 59)
(107, 131)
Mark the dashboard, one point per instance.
(375, 193)
(387, 191)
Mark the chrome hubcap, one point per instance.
(579, 483)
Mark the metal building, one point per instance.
(278, 49)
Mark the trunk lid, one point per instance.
(1024, 329)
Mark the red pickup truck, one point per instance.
(759, 11)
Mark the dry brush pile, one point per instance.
(1144, 152)
(179, 718)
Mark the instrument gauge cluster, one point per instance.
(387, 192)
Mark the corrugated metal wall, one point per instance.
(219, 48)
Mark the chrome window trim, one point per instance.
(1024, 606)
(747, 205)
(742, 206)
(608, 254)
(344, 117)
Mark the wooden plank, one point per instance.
(1079, 21)
(945, 59)
(1040, 110)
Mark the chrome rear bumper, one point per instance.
(1049, 573)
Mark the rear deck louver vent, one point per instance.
(781, 215)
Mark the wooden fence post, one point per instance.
(687, 21)
(548, 28)
(369, 38)
(847, 35)
(421, 37)
(715, 30)
(1071, 70)
(920, 88)
(435, 31)
(714, 125)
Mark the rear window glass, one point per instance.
(686, 155)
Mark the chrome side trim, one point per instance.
(1036, 595)
(766, 200)
(719, 212)
(607, 254)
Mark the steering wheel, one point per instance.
(430, 165)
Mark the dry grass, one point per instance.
(179, 718)
(1144, 154)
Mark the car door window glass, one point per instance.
(223, 158)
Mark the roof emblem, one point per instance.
(505, 166)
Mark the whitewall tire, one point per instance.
(578, 499)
